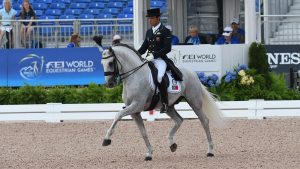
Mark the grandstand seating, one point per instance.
(56, 33)
(77, 7)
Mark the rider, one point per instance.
(158, 43)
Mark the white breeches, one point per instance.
(161, 67)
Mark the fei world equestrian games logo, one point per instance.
(34, 66)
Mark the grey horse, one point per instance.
(123, 62)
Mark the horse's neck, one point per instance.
(129, 61)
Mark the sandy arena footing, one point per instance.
(242, 144)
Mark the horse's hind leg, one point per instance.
(197, 107)
(139, 121)
(178, 121)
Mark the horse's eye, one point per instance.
(110, 64)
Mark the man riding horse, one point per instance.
(158, 43)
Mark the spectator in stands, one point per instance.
(74, 41)
(27, 13)
(195, 37)
(175, 40)
(7, 13)
(116, 39)
(98, 41)
(227, 37)
(237, 31)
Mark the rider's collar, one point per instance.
(156, 27)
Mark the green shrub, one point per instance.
(5, 95)
(31, 95)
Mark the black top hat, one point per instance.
(153, 12)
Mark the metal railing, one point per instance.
(280, 29)
(56, 33)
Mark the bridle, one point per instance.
(116, 73)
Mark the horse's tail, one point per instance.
(211, 109)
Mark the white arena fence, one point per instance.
(56, 112)
(56, 33)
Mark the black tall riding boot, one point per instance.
(163, 88)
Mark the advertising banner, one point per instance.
(283, 57)
(205, 58)
(3, 70)
(54, 66)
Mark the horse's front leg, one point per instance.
(132, 108)
(139, 121)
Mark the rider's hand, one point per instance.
(150, 56)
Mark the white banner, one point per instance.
(210, 59)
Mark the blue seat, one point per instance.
(66, 17)
(53, 12)
(157, 4)
(92, 11)
(105, 16)
(130, 4)
(115, 5)
(75, 12)
(83, 1)
(86, 16)
(128, 10)
(17, 7)
(94, 5)
(106, 1)
(43, 1)
(62, 1)
(58, 6)
(18, 14)
(39, 13)
(47, 28)
(40, 6)
(21, 1)
(47, 17)
(112, 11)
(78, 6)
(122, 15)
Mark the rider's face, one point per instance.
(153, 21)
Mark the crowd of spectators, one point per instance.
(231, 35)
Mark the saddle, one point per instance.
(167, 78)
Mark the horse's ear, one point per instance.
(110, 49)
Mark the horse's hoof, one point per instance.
(210, 155)
(148, 158)
(106, 142)
(173, 147)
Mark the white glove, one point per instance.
(150, 56)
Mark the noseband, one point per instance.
(116, 74)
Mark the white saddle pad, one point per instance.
(174, 86)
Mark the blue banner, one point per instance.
(3, 70)
(56, 66)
